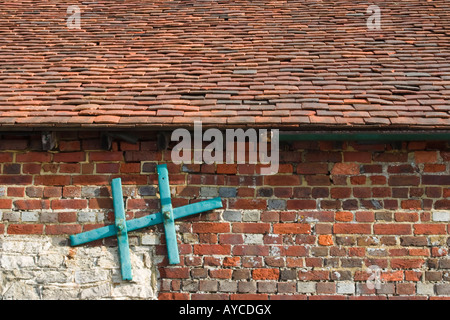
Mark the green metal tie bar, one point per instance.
(167, 216)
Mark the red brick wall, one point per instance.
(311, 231)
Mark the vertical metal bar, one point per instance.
(167, 212)
(121, 227)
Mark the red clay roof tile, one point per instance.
(167, 63)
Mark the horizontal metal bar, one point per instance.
(147, 221)
(365, 136)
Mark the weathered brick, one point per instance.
(69, 157)
(291, 228)
(429, 229)
(345, 168)
(282, 180)
(392, 229)
(210, 227)
(350, 228)
(25, 229)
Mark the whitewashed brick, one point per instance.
(306, 287)
(345, 287)
(441, 216)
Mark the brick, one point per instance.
(403, 168)
(31, 204)
(15, 179)
(326, 288)
(282, 180)
(16, 192)
(312, 168)
(265, 274)
(429, 229)
(345, 287)
(286, 287)
(232, 215)
(101, 203)
(130, 167)
(226, 169)
(250, 250)
(425, 156)
(291, 228)
(231, 261)
(31, 168)
(318, 180)
(173, 296)
(406, 288)
(323, 156)
(443, 204)
(7, 157)
(434, 168)
(404, 180)
(400, 229)
(413, 275)
(276, 204)
(69, 145)
(441, 216)
(25, 229)
(63, 229)
(344, 216)
(59, 204)
(267, 286)
(288, 274)
(94, 180)
(411, 204)
(326, 240)
(107, 167)
(137, 156)
(11, 168)
(443, 289)
(406, 216)
(174, 273)
(414, 241)
(247, 227)
(306, 286)
(425, 288)
(34, 157)
(340, 193)
(301, 204)
(251, 215)
(345, 168)
(406, 263)
(69, 157)
(227, 192)
(351, 228)
(317, 193)
(208, 285)
(210, 227)
(241, 274)
(221, 273)
(434, 180)
(52, 192)
(294, 251)
(228, 286)
(212, 249)
(52, 180)
(247, 204)
(390, 157)
(364, 216)
(71, 192)
(5, 203)
(247, 287)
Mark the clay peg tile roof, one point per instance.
(299, 64)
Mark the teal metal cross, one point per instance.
(167, 216)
